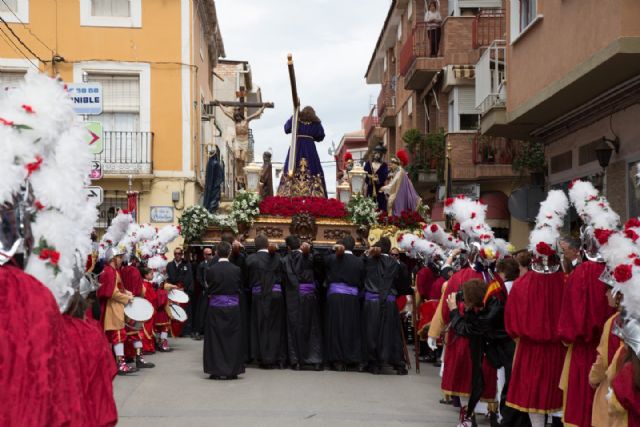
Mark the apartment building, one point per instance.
(427, 105)
(567, 75)
(351, 142)
(155, 61)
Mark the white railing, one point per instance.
(491, 76)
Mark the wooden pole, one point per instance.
(414, 319)
(294, 118)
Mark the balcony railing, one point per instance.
(490, 77)
(126, 153)
(370, 123)
(494, 151)
(416, 46)
(386, 99)
(489, 25)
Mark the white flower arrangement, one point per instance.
(362, 210)
(194, 221)
(245, 207)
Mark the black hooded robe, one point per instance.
(304, 329)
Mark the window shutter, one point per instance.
(467, 100)
(11, 78)
(120, 93)
(9, 6)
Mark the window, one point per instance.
(410, 106)
(634, 190)
(410, 9)
(399, 119)
(463, 115)
(527, 13)
(10, 78)
(113, 202)
(16, 11)
(524, 14)
(121, 101)
(120, 8)
(562, 162)
(111, 13)
(400, 31)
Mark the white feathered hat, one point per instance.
(44, 147)
(543, 240)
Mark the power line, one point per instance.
(16, 48)
(20, 40)
(26, 26)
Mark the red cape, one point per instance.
(131, 279)
(38, 380)
(531, 316)
(91, 355)
(424, 282)
(627, 394)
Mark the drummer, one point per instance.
(180, 274)
(133, 282)
(113, 297)
(162, 319)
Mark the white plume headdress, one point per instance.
(44, 147)
(544, 239)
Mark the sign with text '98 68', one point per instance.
(86, 97)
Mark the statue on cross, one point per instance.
(238, 111)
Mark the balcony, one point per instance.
(126, 153)
(491, 90)
(456, 47)
(387, 105)
(370, 124)
(488, 26)
(476, 157)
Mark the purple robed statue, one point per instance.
(402, 194)
(308, 177)
(377, 174)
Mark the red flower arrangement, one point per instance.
(544, 249)
(289, 206)
(407, 220)
(622, 273)
(602, 235)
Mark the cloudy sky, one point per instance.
(331, 41)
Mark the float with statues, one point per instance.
(373, 200)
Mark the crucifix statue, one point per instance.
(238, 111)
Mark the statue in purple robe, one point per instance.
(402, 195)
(307, 178)
(377, 173)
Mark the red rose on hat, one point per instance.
(434, 228)
(544, 249)
(631, 235)
(602, 235)
(622, 273)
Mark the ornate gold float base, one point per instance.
(319, 231)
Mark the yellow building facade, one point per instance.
(155, 62)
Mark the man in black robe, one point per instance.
(202, 301)
(223, 358)
(239, 259)
(344, 278)
(304, 330)
(214, 179)
(385, 279)
(268, 333)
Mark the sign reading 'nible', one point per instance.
(86, 97)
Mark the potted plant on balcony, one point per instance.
(427, 154)
(435, 146)
(530, 158)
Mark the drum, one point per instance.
(177, 313)
(138, 311)
(178, 296)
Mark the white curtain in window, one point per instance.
(10, 79)
(9, 6)
(120, 93)
(118, 8)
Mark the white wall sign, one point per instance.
(86, 97)
(94, 193)
(162, 214)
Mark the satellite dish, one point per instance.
(524, 203)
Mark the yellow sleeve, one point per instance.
(437, 323)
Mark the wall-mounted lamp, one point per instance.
(604, 149)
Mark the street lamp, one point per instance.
(357, 179)
(253, 176)
(344, 192)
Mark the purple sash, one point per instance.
(307, 288)
(370, 296)
(257, 289)
(221, 301)
(343, 289)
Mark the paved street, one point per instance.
(178, 393)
